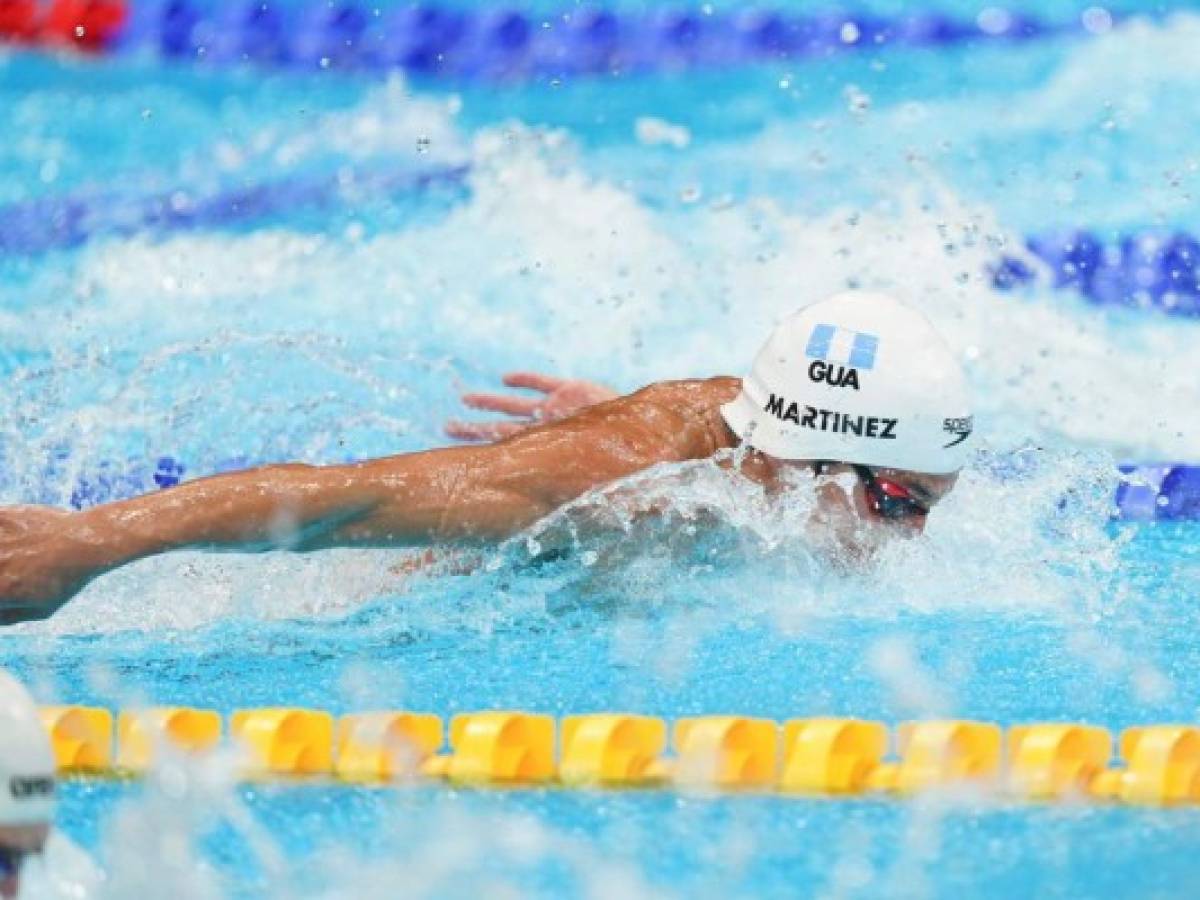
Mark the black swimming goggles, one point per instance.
(887, 499)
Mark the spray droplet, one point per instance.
(1097, 20)
(857, 100)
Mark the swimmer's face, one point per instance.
(893, 497)
(859, 508)
(17, 842)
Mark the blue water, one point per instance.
(592, 240)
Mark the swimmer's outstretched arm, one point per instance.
(458, 494)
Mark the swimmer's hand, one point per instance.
(561, 398)
(44, 561)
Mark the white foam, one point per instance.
(652, 131)
(390, 123)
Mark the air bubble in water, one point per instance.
(857, 100)
(994, 20)
(1097, 20)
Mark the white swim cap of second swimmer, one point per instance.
(26, 759)
(857, 378)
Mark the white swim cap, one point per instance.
(26, 759)
(858, 378)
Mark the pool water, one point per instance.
(623, 230)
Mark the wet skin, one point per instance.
(473, 494)
(23, 839)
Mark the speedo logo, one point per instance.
(35, 787)
(838, 354)
(961, 428)
(830, 420)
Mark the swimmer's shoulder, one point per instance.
(691, 394)
(692, 408)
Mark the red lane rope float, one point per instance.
(18, 20)
(87, 25)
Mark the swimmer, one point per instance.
(36, 859)
(26, 783)
(858, 390)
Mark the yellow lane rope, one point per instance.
(1157, 764)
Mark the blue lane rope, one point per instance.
(60, 223)
(1163, 492)
(507, 43)
(1159, 492)
(1149, 270)
(504, 42)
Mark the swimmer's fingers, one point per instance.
(482, 431)
(534, 381)
(512, 406)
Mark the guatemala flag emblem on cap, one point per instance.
(841, 345)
